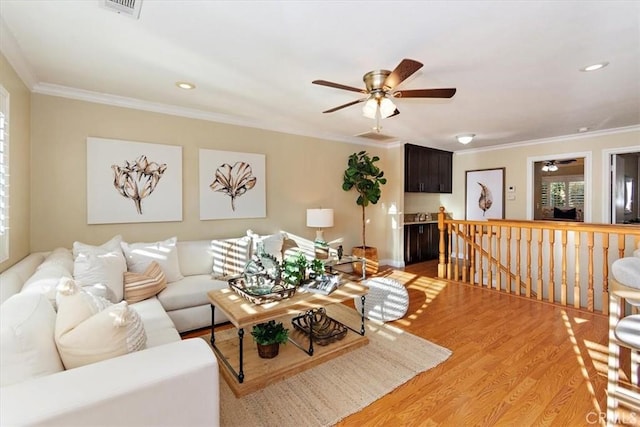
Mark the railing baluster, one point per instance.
(528, 280)
(449, 252)
(590, 294)
(563, 283)
(490, 257)
(605, 273)
(576, 284)
(498, 258)
(509, 276)
(472, 255)
(552, 284)
(516, 289)
(539, 282)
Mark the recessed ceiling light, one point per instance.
(594, 67)
(185, 85)
(583, 129)
(466, 138)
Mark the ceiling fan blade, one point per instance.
(564, 162)
(337, 86)
(426, 93)
(405, 68)
(395, 113)
(349, 104)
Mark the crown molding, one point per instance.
(137, 104)
(552, 140)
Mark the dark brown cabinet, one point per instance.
(421, 242)
(427, 170)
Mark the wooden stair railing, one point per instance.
(564, 263)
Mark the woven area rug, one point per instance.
(325, 394)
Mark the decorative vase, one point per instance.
(268, 351)
(369, 253)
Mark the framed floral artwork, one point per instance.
(484, 194)
(232, 185)
(130, 181)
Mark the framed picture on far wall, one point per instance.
(484, 194)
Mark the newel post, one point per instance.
(442, 259)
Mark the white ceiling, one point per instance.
(515, 64)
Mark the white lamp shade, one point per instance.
(387, 107)
(370, 108)
(320, 218)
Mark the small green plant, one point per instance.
(270, 333)
(317, 266)
(293, 269)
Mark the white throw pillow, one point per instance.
(27, 346)
(140, 255)
(89, 329)
(107, 268)
(230, 256)
(271, 244)
(110, 246)
(62, 257)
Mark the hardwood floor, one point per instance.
(515, 362)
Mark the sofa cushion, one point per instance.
(189, 292)
(195, 256)
(158, 326)
(140, 286)
(90, 329)
(140, 255)
(230, 256)
(62, 257)
(27, 346)
(45, 280)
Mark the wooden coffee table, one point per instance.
(235, 360)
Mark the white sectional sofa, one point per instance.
(167, 381)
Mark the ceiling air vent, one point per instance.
(376, 136)
(124, 7)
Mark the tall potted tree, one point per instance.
(363, 175)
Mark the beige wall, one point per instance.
(514, 159)
(19, 164)
(302, 173)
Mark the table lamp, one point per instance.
(320, 219)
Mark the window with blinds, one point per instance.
(4, 174)
(562, 191)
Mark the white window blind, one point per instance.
(562, 191)
(4, 174)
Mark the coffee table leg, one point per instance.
(362, 331)
(213, 336)
(241, 372)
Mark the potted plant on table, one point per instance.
(294, 269)
(268, 336)
(363, 175)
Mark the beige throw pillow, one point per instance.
(140, 286)
(90, 329)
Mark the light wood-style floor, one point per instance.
(515, 362)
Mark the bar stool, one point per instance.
(624, 331)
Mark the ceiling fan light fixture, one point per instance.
(387, 107)
(370, 108)
(553, 168)
(466, 138)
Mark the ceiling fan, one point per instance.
(380, 88)
(552, 165)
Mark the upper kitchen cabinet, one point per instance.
(427, 170)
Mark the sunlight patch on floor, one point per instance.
(580, 359)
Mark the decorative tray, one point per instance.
(325, 329)
(261, 291)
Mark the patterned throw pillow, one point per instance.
(90, 329)
(140, 286)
